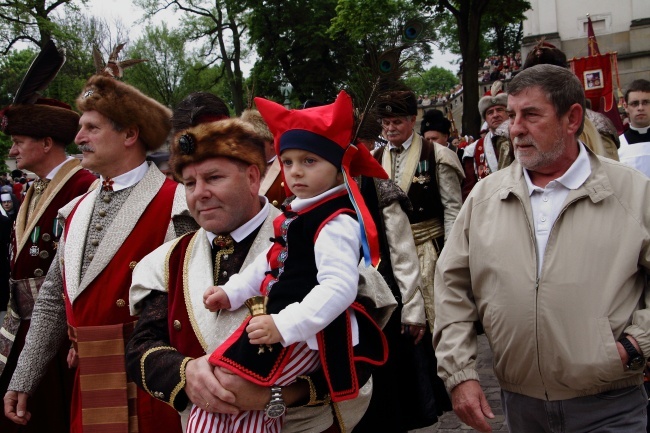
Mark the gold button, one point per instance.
(282, 184)
(44, 254)
(226, 256)
(421, 209)
(132, 265)
(275, 203)
(177, 325)
(224, 273)
(102, 213)
(46, 237)
(106, 199)
(99, 227)
(94, 242)
(38, 272)
(120, 303)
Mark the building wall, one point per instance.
(622, 26)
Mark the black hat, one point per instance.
(397, 104)
(435, 120)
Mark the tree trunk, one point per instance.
(469, 26)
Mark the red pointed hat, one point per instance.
(327, 131)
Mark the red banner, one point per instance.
(595, 74)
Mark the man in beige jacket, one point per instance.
(530, 256)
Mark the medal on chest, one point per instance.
(34, 250)
(421, 174)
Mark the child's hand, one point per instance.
(262, 330)
(215, 299)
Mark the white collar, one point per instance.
(129, 178)
(404, 146)
(640, 130)
(299, 204)
(241, 232)
(56, 169)
(574, 177)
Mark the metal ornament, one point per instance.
(186, 144)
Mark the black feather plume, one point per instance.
(40, 74)
(381, 71)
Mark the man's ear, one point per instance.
(131, 135)
(575, 117)
(48, 143)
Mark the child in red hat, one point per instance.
(308, 275)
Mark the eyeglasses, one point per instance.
(635, 104)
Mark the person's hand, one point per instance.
(215, 299)
(262, 330)
(415, 331)
(471, 406)
(204, 390)
(248, 396)
(16, 407)
(73, 358)
(625, 358)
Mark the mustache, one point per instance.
(523, 141)
(85, 148)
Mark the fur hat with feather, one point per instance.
(32, 115)
(124, 104)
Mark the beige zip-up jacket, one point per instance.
(553, 335)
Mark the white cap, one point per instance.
(5, 197)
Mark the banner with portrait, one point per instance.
(595, 73)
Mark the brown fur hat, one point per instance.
(127, 106)
(257, 121)
(45, 118)
(229, 138)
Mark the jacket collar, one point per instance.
(597, 186)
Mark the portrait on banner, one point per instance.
(593, 79)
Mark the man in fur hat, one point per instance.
(435, 128)
(39, 133)
(484, 156)
(106, 232)
(219, 162)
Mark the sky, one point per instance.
(128, 13)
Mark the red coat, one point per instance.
(104, 302)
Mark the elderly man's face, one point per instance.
(100, 143)
(221, 193)
(398, 129)
(541, 139)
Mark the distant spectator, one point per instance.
(10, 204)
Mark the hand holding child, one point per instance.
(215, 299)
(262, 330)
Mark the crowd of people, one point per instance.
(283, 274)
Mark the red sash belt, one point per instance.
(108, 399)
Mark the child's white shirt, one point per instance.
(337, 253)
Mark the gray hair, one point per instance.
(561, 87)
